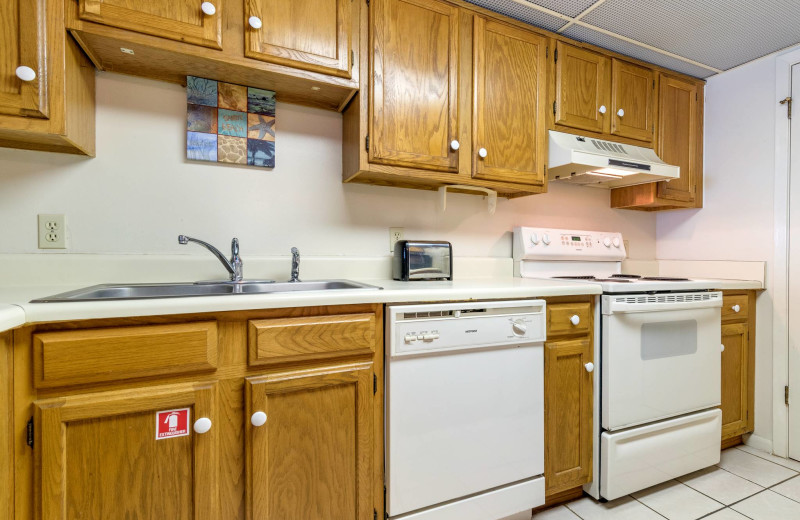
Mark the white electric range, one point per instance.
(657, 346)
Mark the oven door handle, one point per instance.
(619, 305)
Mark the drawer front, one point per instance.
(285, 340)
(734, 307)
(559, 316)
(97, 355)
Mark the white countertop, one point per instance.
(20, 311)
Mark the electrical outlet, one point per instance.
(52, 232)
(395, 234)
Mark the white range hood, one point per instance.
(603, 164)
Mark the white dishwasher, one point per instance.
(464, 410)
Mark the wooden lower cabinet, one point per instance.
(98, 455)
(568, 396)
(300, 438)
(738, 364)
(312, 455)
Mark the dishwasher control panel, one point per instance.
(423, 329)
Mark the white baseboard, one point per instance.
(759, 443)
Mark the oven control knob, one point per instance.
(546, 239)
(616, 242)
(589, 367)
(607, 242)
(575, 319)
(519, 327)
(736, 308)
(534, 238)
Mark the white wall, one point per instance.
(139, 193)
(737, 220)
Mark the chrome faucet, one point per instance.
(295, 265)
(234, 265)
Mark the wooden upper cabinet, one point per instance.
(181, 20)
(414, 110)
(582, 89)
(310, 444)
(680, 137)
(22, 44)
(97, 455)
(509, 106)
(311, 35)
(632, 101)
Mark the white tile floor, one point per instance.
(746, 484)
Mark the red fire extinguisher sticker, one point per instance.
(172, 423)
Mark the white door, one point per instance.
(794, 270)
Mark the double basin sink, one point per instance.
(107, 292)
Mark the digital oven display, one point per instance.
(576, 239)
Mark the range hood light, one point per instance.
(614, 172)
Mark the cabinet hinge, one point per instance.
(374, 384)
(29, 432)
(352, 59)
(367, 2)
(555, 55)
(786, 394)
(547, 52)
(366, 143)
(374, 514)
(788, 103)
(654, 84)
(554, 108)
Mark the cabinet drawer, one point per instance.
(305, 338)
(96, 355)
(559, 316)
(731, 302)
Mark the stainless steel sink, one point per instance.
(107, 292)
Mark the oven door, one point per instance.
(660, 356)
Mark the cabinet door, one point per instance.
(679, 136)
(310, 455)
(568, 414)
(509, 106)
(632, 101)
(181, 20)
(22, 44)
(735, 370)
(98, 456)
(414, 104)
(582, 88)
(311, 35)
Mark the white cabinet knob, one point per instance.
(208, 8)
(722, 348)
(255, 22)
(575, 319)
(455, 145)
(483, 153)
(26, 73)
(602, 109)
(589, 367)
(202, 425)
(620, 112)
(258, 419)
(736, 308)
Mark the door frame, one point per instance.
(780, 287)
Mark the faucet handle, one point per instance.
(235, 247)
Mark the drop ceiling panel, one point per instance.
(524, 13)
(583, 34)
(719, 33)
(571, 8)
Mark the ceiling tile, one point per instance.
(719, 33)
(571, 8)
(584, 34)
(523, 13)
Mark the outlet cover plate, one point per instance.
(395, 234)
(52, 231)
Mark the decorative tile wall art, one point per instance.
(229, 123)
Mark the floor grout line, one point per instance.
(764, 458)
(747, 479)
(648, 507)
